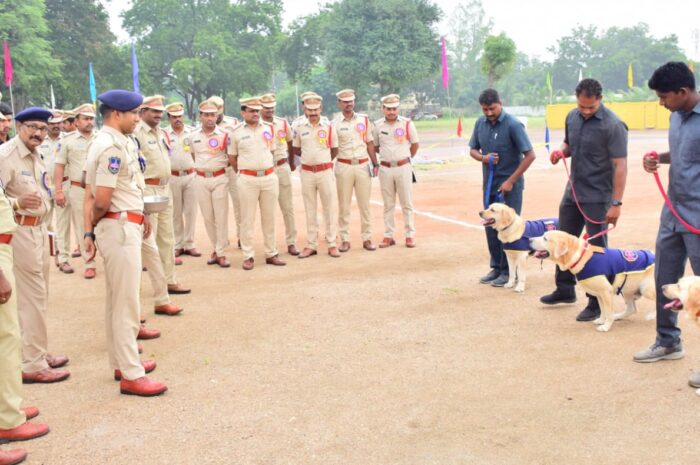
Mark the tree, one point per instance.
(498, 58)
(304, 46)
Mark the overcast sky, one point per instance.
(535, 25)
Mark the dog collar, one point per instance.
(583, 252)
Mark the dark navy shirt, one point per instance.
(594, 142)
(509, 140)
(616, 261)
(684, 174)
(533, 228)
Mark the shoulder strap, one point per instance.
(408, 131)
(330, 134)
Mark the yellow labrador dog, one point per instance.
(515, 234)
(684, 295)
(601, 272)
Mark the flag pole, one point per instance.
(12, 104)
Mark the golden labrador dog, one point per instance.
(515, 234)
(684, 295)
(601, 272)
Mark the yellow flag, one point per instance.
(630, 77)
(692, 67)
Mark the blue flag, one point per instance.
(135, 69)
(93, 89)
(546, 137)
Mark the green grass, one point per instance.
(468, 124)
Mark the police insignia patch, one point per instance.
(630, 255)
(213, 143)
(114, 164)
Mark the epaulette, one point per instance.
(402, 118)
(379, 121)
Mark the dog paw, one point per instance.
(604, 328)
(697, 392)
(520, 287)
(650, 316)
(509, 284)
(599, 321)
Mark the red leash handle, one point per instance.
(657, 178)
(573, 193)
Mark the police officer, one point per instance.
(27, 186)
(182, 181)
(316, 142)
(117, 187)
(396, 141)
(70, 162)
(284, 165)
(48, 150)
(352, 168)
(5, 122)
(154, 147)
(209, 149)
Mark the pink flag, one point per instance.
(8, 66)
(445, 71)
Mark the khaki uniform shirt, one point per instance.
(113, 162)
(283, 135)
(395, 139)
(181, 153)
(49, 151)
(315, 141)
(210, 151)
(7, 216)
(228, 123)
(22, 172)
(353, 136)
(252, 145)
(155, 149)
(73, 153)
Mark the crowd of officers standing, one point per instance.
(62, 182)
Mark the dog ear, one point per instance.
(507, 215)
(693, 301)
(560, 248)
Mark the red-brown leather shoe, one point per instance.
(178, 288)
(212, 259)
(66, 268)
(387, 242)
(179, 252)
(45, 376)
(178, 261)
(248, 264)
(90, 273)
(141, 387)
(344, 247)
(76, 253)
(192, 252)
(30, 412)
(292, 250)
(148, 366)
(12, 457)
(167, 309)
(24, 432)
(146, 333)
(275, 260)
(57, 361)
(307, 252)
(223, 262)
(367, 245)
(333, 252)
(410, 242)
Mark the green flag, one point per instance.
(549, 86)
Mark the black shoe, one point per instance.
(492, 275)
(588, 314)
(559, 297)
(500, 281)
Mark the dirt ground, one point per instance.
(393, 357)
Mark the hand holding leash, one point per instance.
(490, 158)
(651, 162)
(555, 156)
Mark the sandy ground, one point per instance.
(393, 357)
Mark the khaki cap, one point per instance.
(208, 106)
(391, 101)
(218, 101)
(175, 109)
(86, 109)
(154, 102)
(68, 114)
(251, 102)
(312, 101)
(346, 95)
(303, 96)
(57, 117)
(268, 101)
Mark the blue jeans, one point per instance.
(513, 199)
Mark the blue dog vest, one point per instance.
(535, 228)
(616, 261)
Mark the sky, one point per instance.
(535, 25)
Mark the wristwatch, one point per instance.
(616, 203)
(89, 234)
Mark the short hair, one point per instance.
(489, 97)
(672, 77)
(105, 111)
(5, 109)
(590, 88)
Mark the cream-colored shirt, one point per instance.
(394, 139)
(353, 136)
(210, 151)
(7, 216)
(283, 135)
(22, 171)
(113, 162)
(49, 150)
(315, 141)
(155, 149)
(228, 123)
(74, 147)
(181, 155)
(252, 145)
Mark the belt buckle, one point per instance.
(208, 174)
(354, 161)
(260, 173)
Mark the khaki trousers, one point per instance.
(184, 210)
(77, 194)
(212, 195)
(10, 351)
(321, 184)
(349, 177)
(31, 267)
(63, 221)
(395, 181)
(119, 242)
(286, 202)
(235, 201)
(254, 191)
(150, 256)
(162, 224)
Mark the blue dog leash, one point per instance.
(487, 194)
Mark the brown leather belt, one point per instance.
(353, 161)
(155, 182)
(259, 173)
(186, 172)
(5, 238)
(211, 174)
(130, 217)
(75, 183)
(394, 164)
(23, 220)
(317, 168)
(281, 162)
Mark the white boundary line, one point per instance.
(435, 217)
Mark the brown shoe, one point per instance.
(248, 264)
(178, 288)
(223, 262)
(192, 252)
(24, 432)
(57, 361)
(148, 366)
(167, 309)
(30, 412)
(387, 242)
(45, 376)
(307, 252)
(66, 268)
(12, 457)
(333, 252)
(292, 250)
(76, 253)
(367, 245)
(275, 260)
(179, 252)
(90, 273)
(212, 259)
(141, 387)
(146, 333)
(344, 247)
(410, 242)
